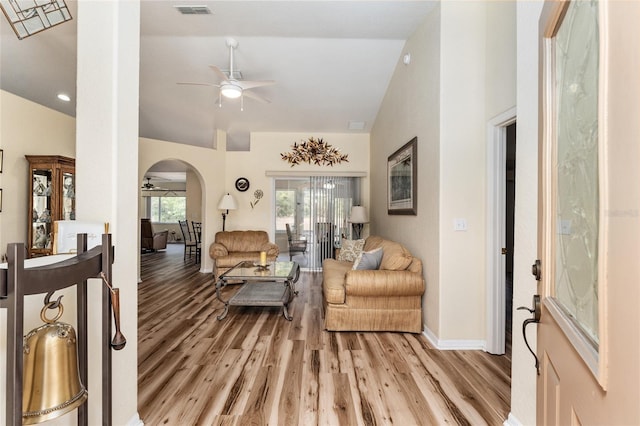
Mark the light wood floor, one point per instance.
(256, 368)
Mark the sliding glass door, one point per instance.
(316, 208)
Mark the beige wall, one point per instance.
(411, 108)
(462, 170)
(264, 155)
(207, 167)
(194, 197)
(461, 74)
(214, 172)
(501, 64)
(26, 128)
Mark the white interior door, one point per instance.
(589, 335)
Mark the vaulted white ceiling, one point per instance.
(331, 60)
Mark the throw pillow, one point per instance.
(350, 250)
(369, 260)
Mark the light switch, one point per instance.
(460, 224)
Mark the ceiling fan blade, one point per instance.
(246, 84)
(189, 83)
(255, 96)
(221, 76)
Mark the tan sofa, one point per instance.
(386, 299)
(233, 247)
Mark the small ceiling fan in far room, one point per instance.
(232, 87)
(148, 186)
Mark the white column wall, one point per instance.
(523, 373)
(107, 178)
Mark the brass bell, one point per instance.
(51, 379)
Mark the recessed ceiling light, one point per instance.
(64, 97)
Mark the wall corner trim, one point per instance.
(135, 420)
(512, 421)
(450, 345)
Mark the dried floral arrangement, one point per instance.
(257, 195)
(314, 151)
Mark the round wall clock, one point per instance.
(242, 184)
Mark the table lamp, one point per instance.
(357, 219)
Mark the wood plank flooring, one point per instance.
(256, 368)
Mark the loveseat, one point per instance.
(232, 247)
(388, 298)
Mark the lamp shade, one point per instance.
(227, 202)
(358, 215)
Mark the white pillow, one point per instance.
(369, 260)
(350, 250)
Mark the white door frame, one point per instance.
(496, 239)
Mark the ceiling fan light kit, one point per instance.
(232, 87)
(231, 91)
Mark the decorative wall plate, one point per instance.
(242, 184)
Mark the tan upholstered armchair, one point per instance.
(233, 247)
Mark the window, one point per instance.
(285, 207)
(576, 157)
(167, 209)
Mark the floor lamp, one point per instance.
(226, 203)
(357, 219)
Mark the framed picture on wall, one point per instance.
(402, 180)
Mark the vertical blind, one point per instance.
(331, 199)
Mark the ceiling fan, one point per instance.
(231, 87)
(148, 186)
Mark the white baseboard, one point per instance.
(135, 420)
(452, 345)
(512, 421)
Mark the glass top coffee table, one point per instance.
(272, 285)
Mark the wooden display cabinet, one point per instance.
(52, 180)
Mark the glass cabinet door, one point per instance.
(68, 196)
(42, 205)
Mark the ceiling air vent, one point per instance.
(356, 125)
(193, 10)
